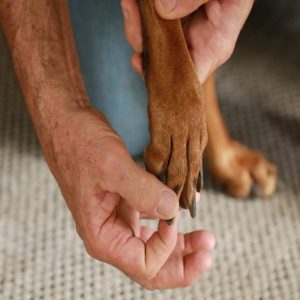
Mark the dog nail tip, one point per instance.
(177, 189)
(162, 177)
(200, 182)
(170, 221)
(255, 192)
(198, 189)
(193, 209)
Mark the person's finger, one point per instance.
(132, 24)
(120, 174)
(96, 209)
(144, 192)
(160, 246)
(144, 216)
(135, 257)
(195, 264)
(93, 215)
(188, 269)
(198, 240)
(145, 233)
(175, 9)
(136, 62)
(193, 241)
(130, 216)
(182, 269)
(236, 10)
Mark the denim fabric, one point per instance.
(113, 86)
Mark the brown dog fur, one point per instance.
(176, 106)
(177, 113)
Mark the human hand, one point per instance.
(106, 191)
(211, 28)
(103, 187)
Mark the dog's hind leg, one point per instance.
(175, 106)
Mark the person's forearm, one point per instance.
(40, 39)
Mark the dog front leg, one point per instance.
(175, 107)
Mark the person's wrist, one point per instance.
(57, 108)
(54, 111)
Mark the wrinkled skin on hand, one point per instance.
(106, 191)
(103, 187)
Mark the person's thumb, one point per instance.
(175, 9)
(145, 193)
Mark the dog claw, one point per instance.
(193, 208)
(255, 192)
(177, 189)
(162, 177)
(200, 182)
(170, 221)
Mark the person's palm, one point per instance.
(141, 252)
(211, 28)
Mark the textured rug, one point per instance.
(258, 250)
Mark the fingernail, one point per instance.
(125, 12)
(168, 5)
(168, 204)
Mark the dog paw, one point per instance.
(243, 171)
(178, 139)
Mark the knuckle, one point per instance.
(107, 160)
(111, 161)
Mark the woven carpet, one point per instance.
(258, 241)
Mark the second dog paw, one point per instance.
(242, 170)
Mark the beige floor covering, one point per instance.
(258, 250)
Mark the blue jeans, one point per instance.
(112, 85)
